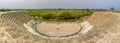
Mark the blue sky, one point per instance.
(105, 4)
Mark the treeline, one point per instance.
(60, 14)
(5, 10)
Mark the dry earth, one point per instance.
(107, 24)
(61, 29)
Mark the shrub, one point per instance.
(48, 16)
(60, 14)
(65, 16)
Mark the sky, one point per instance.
(36, 4)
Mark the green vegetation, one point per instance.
(60, 14)
(112, 8)
(1, 10)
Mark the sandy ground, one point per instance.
(113, 36)
(5, 37)
(110, 37)
(110, 30)
(62, 29)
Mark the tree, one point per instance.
(112, 8)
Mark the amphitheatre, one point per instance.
(100, 27)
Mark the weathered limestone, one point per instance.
(15, 20)
(32, 23)
(30, 29)
(86, 27)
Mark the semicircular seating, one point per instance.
(15, 20)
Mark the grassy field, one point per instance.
(60, 14)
